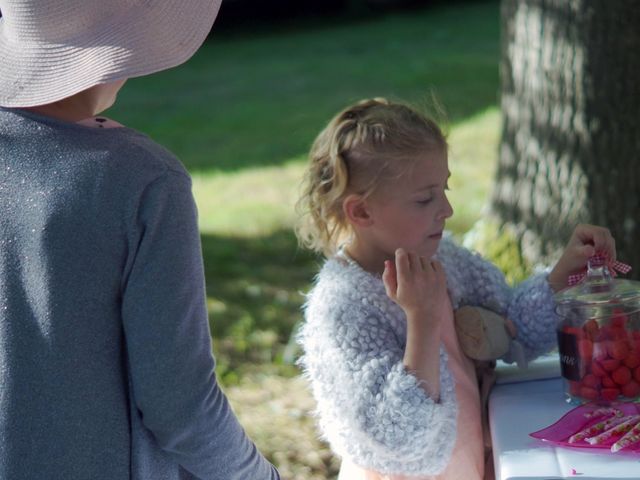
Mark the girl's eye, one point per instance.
(425, 201)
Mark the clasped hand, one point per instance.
(417, 284)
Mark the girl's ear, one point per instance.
(357, 211)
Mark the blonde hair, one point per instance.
(360, 147)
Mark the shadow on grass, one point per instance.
(255, 292)
(260, 99)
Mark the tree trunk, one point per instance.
(570, 148)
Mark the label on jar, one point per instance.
(569, 356)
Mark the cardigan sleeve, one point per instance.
(370, 408)
(168, 341)
(532, 309)
(530, 304)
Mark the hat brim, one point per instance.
(149, 39)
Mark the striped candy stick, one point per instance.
(630, 423)
(596, 429)
(631, 437)
(603, 412)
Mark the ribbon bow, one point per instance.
(599, 260)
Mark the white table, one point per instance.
(517, 408)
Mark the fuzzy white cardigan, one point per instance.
(369, 407)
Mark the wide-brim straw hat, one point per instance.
(52, 49)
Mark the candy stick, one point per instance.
(596, 428)
(631, 437)
(630, 423)
(604, 411)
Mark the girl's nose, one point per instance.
(447, 209)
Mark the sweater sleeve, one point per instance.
(530, 304)
(370, 408)
(169, 345)
(532, 309)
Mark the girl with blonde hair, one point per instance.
(396, 397)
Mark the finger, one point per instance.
(586, 251)
(403, 270)
(424, 263)
(607, 244)
(583, 235)
(599, 237)
(584, 232)
(438, 270)
(390, 279)
(589, 234)
(414, 262)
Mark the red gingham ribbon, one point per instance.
(597, 261)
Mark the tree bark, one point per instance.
(570, 148)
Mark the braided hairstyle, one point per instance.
(364, 145)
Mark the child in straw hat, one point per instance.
(106, 369)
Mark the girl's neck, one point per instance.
(370, 258)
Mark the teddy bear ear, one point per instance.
(482, 333)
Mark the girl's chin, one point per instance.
(426, 249)
(430, 250)
(427, 252)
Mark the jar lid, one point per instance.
(599, 288)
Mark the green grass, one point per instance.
(259, 99)
(242, 114)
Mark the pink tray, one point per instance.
(575, 420)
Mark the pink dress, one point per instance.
(467, 460)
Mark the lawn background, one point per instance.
(242, 114)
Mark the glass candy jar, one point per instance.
(599, 338)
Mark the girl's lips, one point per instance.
(436, 235)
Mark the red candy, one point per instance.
(621, 375)
(610, 364)
(590, 380)
(574, 388)
(589, 393)
(608, 357)
(597, 369)
(618, 349)
(618, 333)
(610, 393)
(633, 360)
(631, 389)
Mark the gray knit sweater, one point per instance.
(369, 407)
(106, 370)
